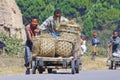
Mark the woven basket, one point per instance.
(70, 26)
(44, 46)
(64, 46)
(36, 45)
(68, 36)
(47, 47)
(45, 36)
(63, 49)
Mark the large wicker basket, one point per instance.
(47, 47)
(68, 36)
(63, 48)
(69, 31)
(36, 45)
(44, 46)
(65, 44)
(70, 26)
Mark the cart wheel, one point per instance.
(40, 70)
(73, 67)
(77, 66)
(111, 65)
(49, 70)
(114, 65)
(108, 63)
(80, 67)
(80, 64)
(33, 67)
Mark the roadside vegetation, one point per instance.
(14, 46)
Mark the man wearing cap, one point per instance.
(51, 23)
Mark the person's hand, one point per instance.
(98, 43)
(36, 30)
(112, 41)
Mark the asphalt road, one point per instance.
(83, 75)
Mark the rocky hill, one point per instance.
(11, 19)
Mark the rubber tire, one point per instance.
(73, 67)
(114, 65)
(40, 70)
(49, 70)
(80, 64)
(77, 66)
(33, 67)
(111, 65)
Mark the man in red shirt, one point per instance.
(32, 30)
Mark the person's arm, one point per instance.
(45, 23)
(63, 19)
(98, 42)
(117, 40)
(37, 30)
(110, 42)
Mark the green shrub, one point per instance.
(13, 45)
(101, 50)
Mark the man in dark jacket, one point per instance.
(115, 40)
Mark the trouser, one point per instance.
(55, 35)
(114, 48)
(94, 49)
(94, 52)
(28, 53)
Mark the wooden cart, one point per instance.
(112, 61)
(49, 63)
(73, 62)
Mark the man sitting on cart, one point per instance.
(114, 41)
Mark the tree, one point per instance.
(93, 14)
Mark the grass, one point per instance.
(11, 65)
(98, 64)
(15, 70)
